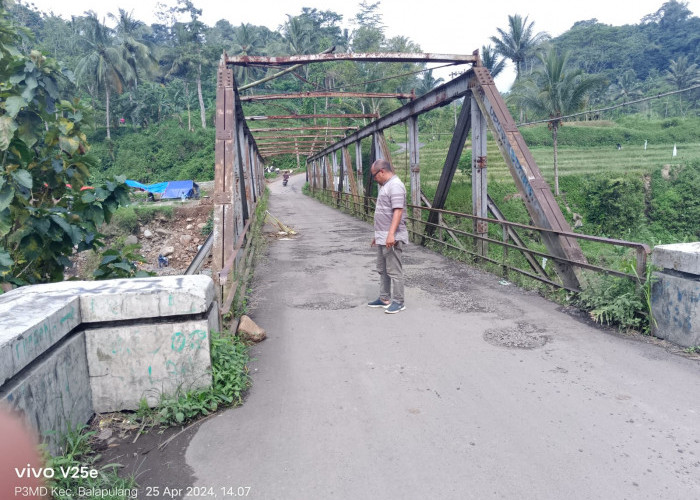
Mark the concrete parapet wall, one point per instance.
(58, 339)
(675, 295)
(680, 257)
(54, 394)
(130, 363)
(30, 326)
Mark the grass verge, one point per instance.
(75, 475)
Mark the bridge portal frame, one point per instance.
(239, 163)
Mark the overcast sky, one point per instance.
(442, 26)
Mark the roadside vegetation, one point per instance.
(79, 455)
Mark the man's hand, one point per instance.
(374, 242)
(390, 241)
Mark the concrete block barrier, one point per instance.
(70, 349)
(675, 295)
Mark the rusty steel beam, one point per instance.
(312, 144)
(277, 153)
(293, 140)
(285, 147)
(304, 117)
(314, 127)
(439, 96)
(319, 94)
(307, 138)
(268, 137)
(366, 57)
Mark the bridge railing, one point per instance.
(457, 237)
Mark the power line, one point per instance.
(609, 108)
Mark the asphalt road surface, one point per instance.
(477, 390)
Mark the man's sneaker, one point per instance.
(394, 308)
(379, 303)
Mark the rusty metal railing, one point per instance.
(361, 206)
(237, 267)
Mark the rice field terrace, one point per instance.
(573, 160)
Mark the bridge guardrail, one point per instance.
(361, 205)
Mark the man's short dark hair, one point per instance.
(383, 165)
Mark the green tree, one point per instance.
(137, 53)
(369, 34)
(189, 55)
(428, 83)
(246, 42)
(490, 60)
(104, 63)
(554, 92)
(44, 214)
(518, 42)
(669, 13)
(682, 75)
(626, 88)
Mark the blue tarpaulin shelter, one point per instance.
(181, 189)
(169, 190)
(157, 188)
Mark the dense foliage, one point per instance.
(44, 213)
(675, 201)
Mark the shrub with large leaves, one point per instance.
(44, 165)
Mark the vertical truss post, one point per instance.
(261, 175)
(479, 178)
(382, 147)
(453, 154)
(352, 182)
(358, 163)
(317, 174)
(413, 151)
(338, 171)
(253, 172)
(373, 156)
(329, 176)
(244, 171)
(224, 225)
(239, 205)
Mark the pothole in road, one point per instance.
(329, 303)
(337, 250)
(521, 336)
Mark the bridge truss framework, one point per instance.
(240, 159)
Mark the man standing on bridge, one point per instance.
(390, 236)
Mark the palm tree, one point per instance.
(428, 83)
(189, 56)
(138, 54)
(682, 75)
(489, 58)
(627, 87)
(246, 43)
(554, 92)
(519, 42)
(104, 63)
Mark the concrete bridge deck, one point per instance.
(438, 401)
